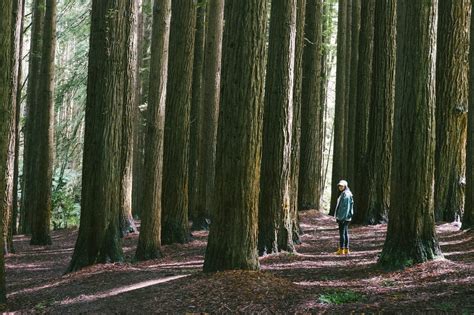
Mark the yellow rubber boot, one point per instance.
(339, 251)
(345, 251)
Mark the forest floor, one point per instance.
(311, 280)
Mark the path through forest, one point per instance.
(314, 279)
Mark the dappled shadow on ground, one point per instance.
(296, 282)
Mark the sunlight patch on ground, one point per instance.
(456, 242)
(193, 263)
(120, 290)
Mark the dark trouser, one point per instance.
(343, 234)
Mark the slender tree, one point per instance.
(347, 67)
(197, 209)
(468, 217)
(43, 173)
(110, 81)
(364, 93)
(275, 225)
(16, 210)
(177, 119)
(338, 171)
(352, 112)
(149, 241)
(381, 115)
(411, 236)
(141, 94)
(10, 15)
(211, 86)
(451, 108)
(233, 234)
(296, 123)
(30, 155)
(127, 223)
(311, 155)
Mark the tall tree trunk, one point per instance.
(364, 94)
(451, 108)
(211, 86)
(468, 216)
(296, 123)
(197, 210)
(352, 112)
(233, 235)
(127, 223)
(110, 80)
(348, 69)
(16, 172)
(381, 115)
(40, 227)
(411, 236)
(339, 146)
(30, 148)
(311, 157)
(143, 74)
(275, 225)
(149, 240)
(177, 120)
(9, 54)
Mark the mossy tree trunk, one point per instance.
(411, 236)
(233, 233)
(110, 80)
(451, 108)
(149, 241)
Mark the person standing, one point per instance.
(343, 214)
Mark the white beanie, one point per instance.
(342, 182)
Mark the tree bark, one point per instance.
(197, 209)
(177, 122)
(233, 234)
(451, 108)
(352, 112)
(9, 54)
(40, 227)
(381, 115)
(211, 85)
(30, 148)
(348, 39)
(110, 80)
(149, 240)
(309, 193)
(275, 225)
(16, 171)
(143, 73)
(411, 236)
(296, 123)
(364, 93)
(468, 216)
(339, 146)
(127, 223)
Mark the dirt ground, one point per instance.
(312, 280)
